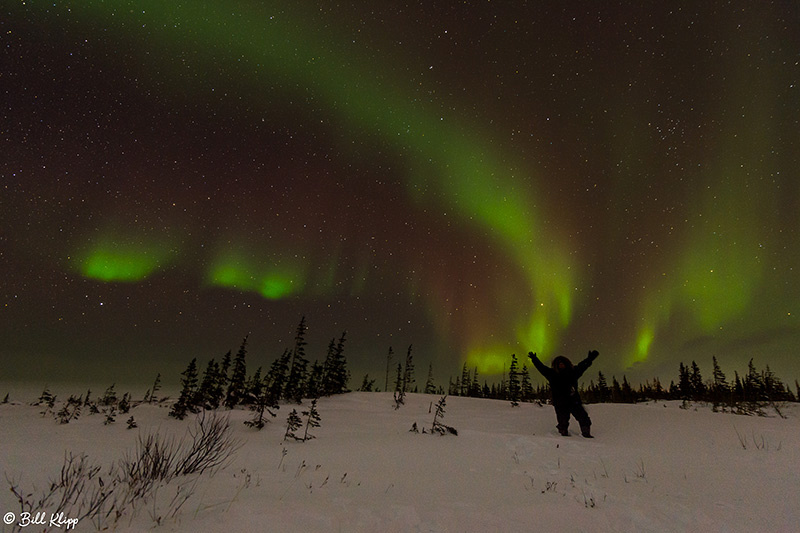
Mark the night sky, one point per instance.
(476, 178)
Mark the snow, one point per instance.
(652, 467)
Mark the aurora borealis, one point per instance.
(475, 178)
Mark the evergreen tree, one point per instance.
(188, 390)
(299, 366)
(626, 391)
(430, 388)
(316, 379)
(737, 392)
(438, 426)
(753, 387)
(236, 384)
(312, 419)
(276, 377)
(453, 387)
(698, 387)
(125, 403)
(110, 396)
(222, 378)
(155, 388)
(513, 382)
(465, 381)
(253, 388)
(616, 390)
(336, 375)
(526, 388)
(389, 357)
(293, 423)
(398, 382)
(487, 391)
(408, 373)
(47, 398)
(658, 390)
(719, 388)
(367, 384)
(205, 396)
(265, 402)
(603, 392)
(684, 382)
(774, 389)
(475, 387)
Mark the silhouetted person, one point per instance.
(563, 378)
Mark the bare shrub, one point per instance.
(135, 479)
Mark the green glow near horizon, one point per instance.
(457, 173)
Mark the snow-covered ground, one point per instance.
(652, 467)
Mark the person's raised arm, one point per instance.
(543, 370)
(581, 367)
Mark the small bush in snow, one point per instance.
(438, 426)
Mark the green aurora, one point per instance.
(643, 203)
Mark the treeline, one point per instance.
(291, 377)
(747, 394)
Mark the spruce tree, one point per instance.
(293, 423)
(265, 402)
(299, 366)
(367, 385)
(399, 388)
(389, 357)
(698, 387)
(46, 398)
(155, 388)
(125, 403)
(276, 377)
(430, 387)
(335, 376)
(222, 377)
(513, 382)
(626, 390)
(314, 386)
(253, 388)
(438, 426)
(753, 388)
(602, 387)
(465, 381)
(188, 390)
(684, 382)
(408, 373)
(719, 390)
(312, 420)
(110, 396)
(205, 396)
(398, 382)
(236, 385)
(475, 386)
(616, 390)
(526, 389)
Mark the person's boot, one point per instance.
(585, 431)
(564, 432)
